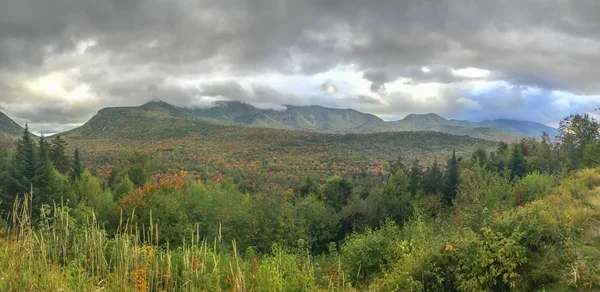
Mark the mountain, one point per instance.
(8, 127)
(436, 123)
(178, 138)
(312, 118)
(521, 128)
(151, 120)
(322, 119)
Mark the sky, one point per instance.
(63, 60)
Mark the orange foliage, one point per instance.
(174, 181)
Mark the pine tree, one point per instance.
(433, 179)
(397, 165)
(42, 181)
(415, 176)
(58, 154)
(517, 164)
(452, 179)
(77, 168)
(22, 172)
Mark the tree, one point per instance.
(416, 176)
(77, 168)
(23, 169)
(517, 164)
(480, 157)
(58, 155)
(307, 186)
(452, 179)
(576, 132)
(43, 174)
(397, 165)
(397, 197)
(433, 179)
(591, 155)
(337, 191)
(123, 188)
(541, 158)
(139, 168)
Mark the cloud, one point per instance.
(409, 55)
(329, 87)
(468, 103)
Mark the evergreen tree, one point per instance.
(397, 165)
(415, 175)
(58, 155)
(517, 164)
(77, 168)
(43, 175)
(452, 179)
(22, 172)
(433, 179)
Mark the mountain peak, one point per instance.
(429, 116)
(157, 103)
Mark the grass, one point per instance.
(58, 254)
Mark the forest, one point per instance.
(522, 216)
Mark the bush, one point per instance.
(536, 185)
(367, 254)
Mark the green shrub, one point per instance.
(367, 254)
(536, 185)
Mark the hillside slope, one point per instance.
(330, 120)
(8, 127)
(195, 143)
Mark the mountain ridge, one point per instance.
(326, 120)
(8, 127)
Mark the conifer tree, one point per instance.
(58, 155)
(452, 179)
(22, 172)
(517, 164)
(43, 174)
(77, 168)
(433, 179)
(415, 176)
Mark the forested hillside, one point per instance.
(519, 217)
(250, 155)
(316, 119)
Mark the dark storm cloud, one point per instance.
(140, 46)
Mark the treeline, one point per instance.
(41, 168)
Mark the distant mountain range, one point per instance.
(321, 119)
(110, 121)
(313, 118)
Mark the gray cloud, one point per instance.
(141, 45)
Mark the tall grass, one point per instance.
(54, 253)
